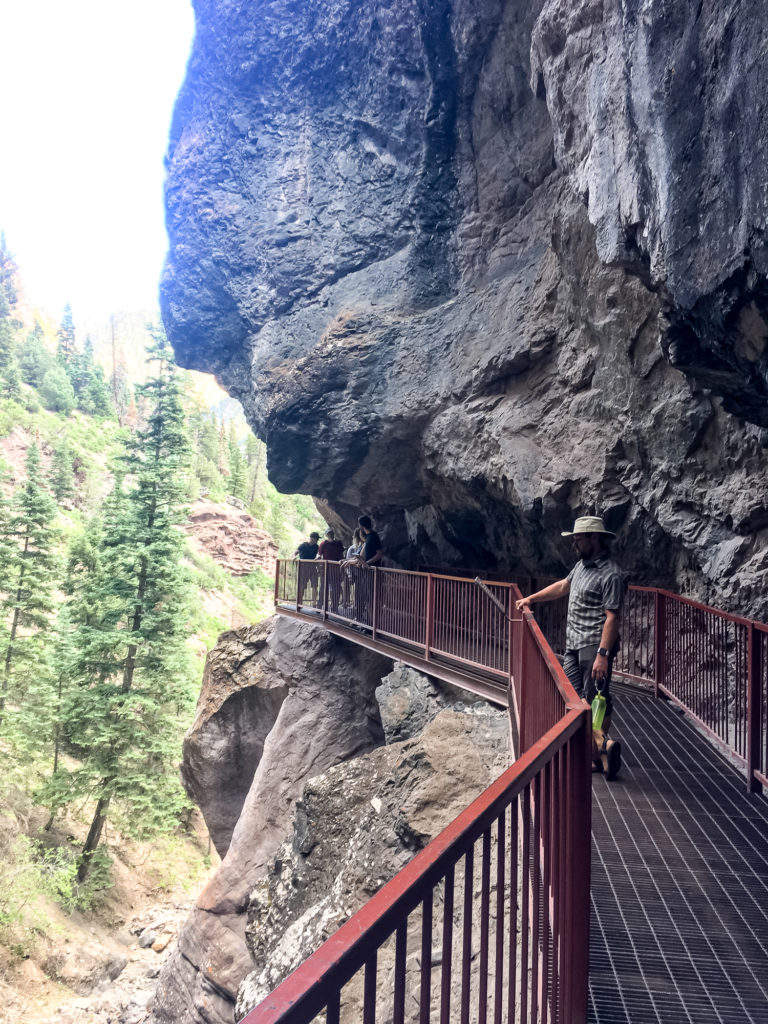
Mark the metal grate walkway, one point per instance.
(679, 929)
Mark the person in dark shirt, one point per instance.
(369, 558)
(308, 573)
(330, 549)
(372, 549)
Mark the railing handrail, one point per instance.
(508, 584)
(297, 998)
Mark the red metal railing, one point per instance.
(712, 664)
(529, 833)
(445, 618)
(503, 892)
(495, 910)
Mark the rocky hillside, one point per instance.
(231, 536)
(481, 267)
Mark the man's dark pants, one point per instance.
(578, 668)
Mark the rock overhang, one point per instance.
(374, 249)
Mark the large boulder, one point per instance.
(327, 714)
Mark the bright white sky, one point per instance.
(86, 94)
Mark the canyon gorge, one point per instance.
(475, 267)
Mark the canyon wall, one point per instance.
(479, 266)
(475, 267)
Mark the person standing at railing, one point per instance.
(595, 588)
(354, 549)
(368, 558)
(308, 574)
(332, 550)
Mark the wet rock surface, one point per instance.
(660, 123)
(453, 258)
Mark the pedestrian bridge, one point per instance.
(558, 896)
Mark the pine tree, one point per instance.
(223, 451)
(255, 457)
(7, 333)
(66, 337)
(237, 467)
(34, 358)
(12, 382)
(130, 661)
(56, 391)
(30, 579)
(62, 475)
(8, 272)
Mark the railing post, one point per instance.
(278, 565)
(375, 602)
(299, 594)
(754, 681)
(511, 644)
(659, 641)
(325, 589)
(579, 851)
(429, 624)
(521, 689)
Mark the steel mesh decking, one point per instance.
(679, 929)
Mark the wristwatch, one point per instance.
(603, 652)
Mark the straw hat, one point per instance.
(588, 524)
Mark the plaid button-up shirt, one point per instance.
(597, 586)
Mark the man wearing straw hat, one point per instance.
(595, 588)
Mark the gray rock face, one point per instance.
(662, 124)
(240, 698)
(328, 714)
(409, 700)
(355, 827)
(452, 258)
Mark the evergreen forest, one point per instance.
(103, 632)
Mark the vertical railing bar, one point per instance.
(658, 638)
(333, 1009)
(536, 897)
(445, 967)
(374, 608)
(514, 815)
(401, 944)
(430, 617)
(546, 848)
(501, 857)
(369, 990)
(466, 943)
(426, 959)
(524, 913)
(558, 883)
(485, 893)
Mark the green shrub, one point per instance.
(56, 391)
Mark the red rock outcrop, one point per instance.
(232, 537)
